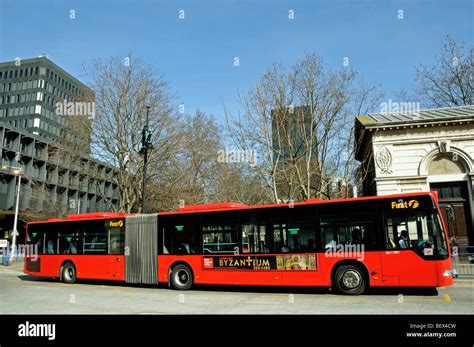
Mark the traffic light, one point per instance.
(146, 137)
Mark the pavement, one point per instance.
(24, 294)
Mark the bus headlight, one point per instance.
(448, 273)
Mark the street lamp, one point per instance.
(146, 145)
(17, 172)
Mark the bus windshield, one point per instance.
(420, 231)
(440, 237)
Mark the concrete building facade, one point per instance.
(58, 175)
(30, 92)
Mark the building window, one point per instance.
(38, 109)
(36, 123)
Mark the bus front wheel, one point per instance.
(181, 277)
(68, 274)
(349, 280)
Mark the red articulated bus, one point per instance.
(348, 244)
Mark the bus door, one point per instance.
(116, 245)
(258, 246)
(409, 256)
(300, 265)
(141, 261)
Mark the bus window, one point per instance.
(255, 235)
(35, 238)
(116, 241)
(219, 239)
(409, 230)
(95, 239)
(441, 245)
(255, 239)
(69, 238)
(51, 242)
(277, 240)
(294, 229)
(328, 238)
(348, 230)
(301, 237)
(69, 243)
(295, 238)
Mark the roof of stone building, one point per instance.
(423, 116)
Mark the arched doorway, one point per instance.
(447, 175)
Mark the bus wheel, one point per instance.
(181, 277)
(349, 280)
(69, 273)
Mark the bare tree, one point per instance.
(300, 120)
(253, 130)
(236, 182)
(189, 172)
(449, 81)
(197, 172)
(124, 89)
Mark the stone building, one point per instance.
(421, 151)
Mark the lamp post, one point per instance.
(17, 172)
(146, 145)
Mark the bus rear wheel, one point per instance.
(181, 277)
(68, 274)
(349, 280)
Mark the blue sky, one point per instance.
(197, 54)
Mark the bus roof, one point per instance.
(238, 206)
(232, 206)
(84, 216)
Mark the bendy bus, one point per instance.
(347, 244)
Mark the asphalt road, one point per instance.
(23, 294)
